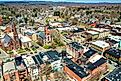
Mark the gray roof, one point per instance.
(6, 40)
(42, 35)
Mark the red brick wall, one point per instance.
(72, 74)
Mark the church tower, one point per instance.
(15, 37)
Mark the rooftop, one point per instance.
(20, 64)
(28, 60)
(92, 32)
(89, 53)
(76, 68)
(115, 75)
(76, 45)
(114, 52)
(101, 44)
(94, 58)
(8, 66)
(99, 29)
(96, 63)
(24, 39)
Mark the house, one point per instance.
(100, 46)
(21, 67)
(74, 49)
(115, 75)
(113, 54)
(31, 34)
(25, 41)
(9, 70)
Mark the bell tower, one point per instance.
(15, 37)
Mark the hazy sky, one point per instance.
(86, 1)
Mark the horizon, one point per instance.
(79, 1)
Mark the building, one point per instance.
(102, 32)
(44, 37)
(113, 54)
(21, 67)
(1, 76)
(96, 65)
(31, 34)
(10, 40)
(115, 75)
(9, 70)
(74, 49)
(100, 46)
(33, 70)
(74, 71)
(89, 53)
(25, 41)
(93, 34)
(53, 58)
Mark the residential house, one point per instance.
(25, 41)
(31, 34)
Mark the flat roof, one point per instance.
(20, 64)
(52, 55)
(115, 75)
(94, 58)
(76, 45)
(101, 44)
(99, 29)
(89, 53)
(92, 66)
(92, 32)
(78, 70)
(28, 60)
(113, 52)
(8, 67)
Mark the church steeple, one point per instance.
(15, 36)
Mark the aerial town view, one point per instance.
(60, 40)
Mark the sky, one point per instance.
(84, 1)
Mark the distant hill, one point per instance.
(48, 3)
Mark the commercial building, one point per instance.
(102, 32)
(9, 70)
(115, 75)
(113, 54)
(21, 67)
(74, 49)
(100, 46)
